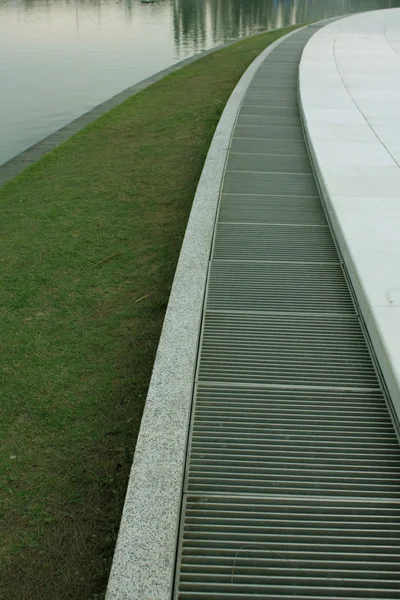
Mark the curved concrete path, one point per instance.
(349, 90)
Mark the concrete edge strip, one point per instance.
(24, 159)
(144, 560)
(376, 343)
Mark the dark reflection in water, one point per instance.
(196, 22)
(59, 58)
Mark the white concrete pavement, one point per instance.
(349, 91)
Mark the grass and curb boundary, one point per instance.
(13, 167)
(91, 237)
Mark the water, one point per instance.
(59, 58)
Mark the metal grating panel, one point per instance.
(289, 548)
(256, 146)
(263, 101)
(289, 132)
(272, 83)
(268, 162)
(284, 349)
(286, 184)
(268, 120)
(292, 57)
(273, 440)
(292, 486)
(273, 97)
(271, 209)
(274, 242)
(288, 71)
(256, 286)
(285, 56)
(272, 111)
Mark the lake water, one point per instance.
(59, 58)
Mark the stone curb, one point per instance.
(145, 554)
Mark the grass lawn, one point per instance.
(90, 239)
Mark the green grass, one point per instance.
(90, 239)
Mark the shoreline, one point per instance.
(21, 161)
(92, 235)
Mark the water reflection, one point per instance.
(196, 22)
(58, 58)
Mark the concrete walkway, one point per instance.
(290, 486)
(350, 99)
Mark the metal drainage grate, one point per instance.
(238, 208)
(292, 486)
(267, 162)
(285, 349)
(289, 548)
(291, 441)
(278, 286)
(277, 242)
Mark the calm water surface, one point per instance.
(59, 58)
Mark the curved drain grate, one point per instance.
(283, 349)
(289, 548)
(292, 487)
(278, 286)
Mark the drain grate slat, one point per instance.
(278, 286)
(255, 146)
(271, 348)
(274, 242)
(292, 484)
(271, 111)
(268, 120)
(273, 85)
(232, 541)
(269, 163)
(271, 132)
(271, 209)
